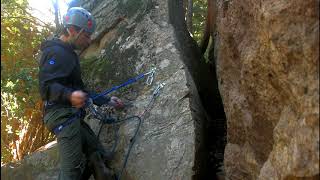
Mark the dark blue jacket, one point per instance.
(60, 74)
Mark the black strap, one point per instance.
(59, 128)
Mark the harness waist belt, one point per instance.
(59, 128)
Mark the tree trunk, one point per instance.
(208, 29)
(189, 15)
(56, 13)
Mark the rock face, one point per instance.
(132, 37)
(135, 37)
(267, 58)
(41, 165)
(266, 54)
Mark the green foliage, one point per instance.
(21, 128)
(199, 14)
(198, 18)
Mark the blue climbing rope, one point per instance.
(130, 81)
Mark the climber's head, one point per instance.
(78, 25)
(81, 18)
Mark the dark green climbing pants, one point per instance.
(76, 142)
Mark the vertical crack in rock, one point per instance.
(211, 127)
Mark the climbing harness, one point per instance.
(58, 128)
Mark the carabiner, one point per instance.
(156, 92)
(150, 76)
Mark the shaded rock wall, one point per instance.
(267, 59)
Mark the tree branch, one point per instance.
(25, 18)
(27, 13)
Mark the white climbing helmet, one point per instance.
(81, 18)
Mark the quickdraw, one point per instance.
(156, 92)
(150, 76)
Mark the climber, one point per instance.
(64, 94)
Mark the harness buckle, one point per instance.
(60, 127)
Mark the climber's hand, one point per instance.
(116, 102)
(78, 98)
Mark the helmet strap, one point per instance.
(74, 39)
